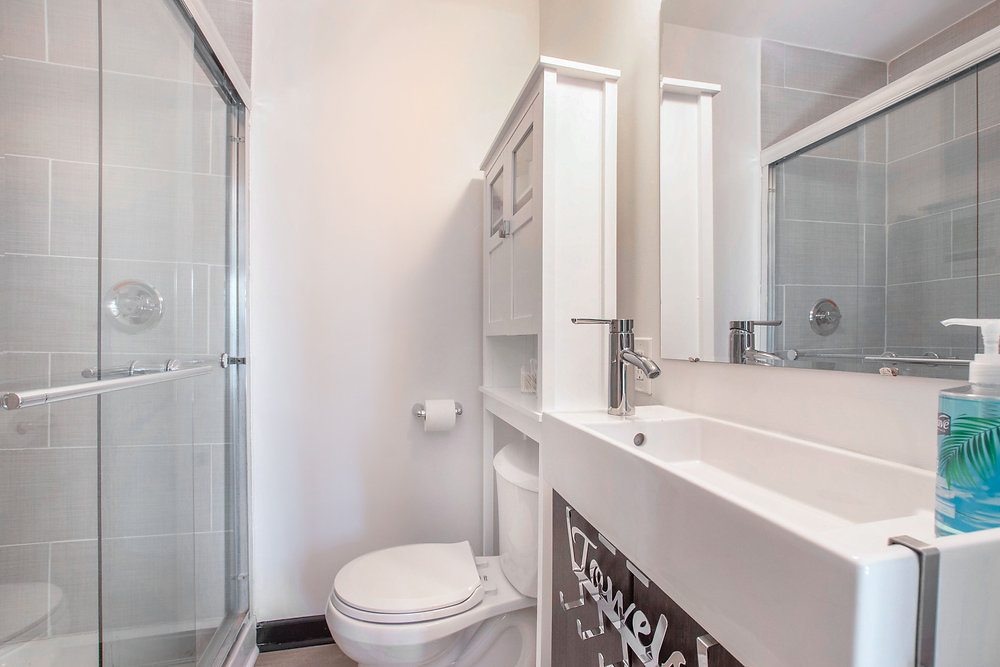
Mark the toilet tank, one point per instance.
(516, 468)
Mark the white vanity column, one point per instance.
(549, 244)
(687, 283)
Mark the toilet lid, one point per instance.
(410, 583)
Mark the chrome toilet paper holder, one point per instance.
(420, 413)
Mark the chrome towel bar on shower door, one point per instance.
(12, 400)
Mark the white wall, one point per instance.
(369, 122)
(892, 418)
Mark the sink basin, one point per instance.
(777, 546)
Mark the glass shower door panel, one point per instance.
(987, 233)
(164, 293)
(49, 101)
(828, 214)
(931, 213)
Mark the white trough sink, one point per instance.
(777, 546)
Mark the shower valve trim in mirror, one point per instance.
(824, 317)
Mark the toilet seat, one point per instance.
(410, 583)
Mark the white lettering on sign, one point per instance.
(632, 624)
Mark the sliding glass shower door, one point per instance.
(122, 445)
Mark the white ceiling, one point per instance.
(879, 29)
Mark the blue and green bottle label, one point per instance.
(968, 479)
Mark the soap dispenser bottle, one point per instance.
(968, 426)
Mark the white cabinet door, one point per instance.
(525, 238)
(497, 251)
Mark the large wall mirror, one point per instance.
(868, 212)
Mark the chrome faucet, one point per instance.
(621, 382)
(742, 345)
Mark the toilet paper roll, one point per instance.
(440, 414)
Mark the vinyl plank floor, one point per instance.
(327, 655)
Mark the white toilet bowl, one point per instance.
(498, 631)
(432, 605)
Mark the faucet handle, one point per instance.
(748, 325)
(617, 325)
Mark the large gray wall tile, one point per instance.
(922, 122)
(846, 146)
(817, 253)
(832, 73)
(26, 562)
(51, 110)
(875, 138)
(955, 35)
(874, 255)
(914, 313)
(871, 317)
(772, 63)
(75, 571)
(24, 216)
(936, 180)
(156, 123)
(988, 84)
(965, 251)
(48, 495)
(785, 111)
(210, 577)
(149, 491)
(133, 597)
(988, 241)
(920, 250)
(53, 301)
(966, 102)
(22, 28)
(75, 202)
(821, 189)
(73, 32)
(989, 164)
(149, 39)
(871, 193)
(989, 297)
(164, 216)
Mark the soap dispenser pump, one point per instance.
(968, 426)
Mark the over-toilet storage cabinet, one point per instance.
(549, 230)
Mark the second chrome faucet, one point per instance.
(622, 354)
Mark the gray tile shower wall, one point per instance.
(972, 26)
(800, 86)
(933, 183)
(164, 186)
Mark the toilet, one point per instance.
(438, 604)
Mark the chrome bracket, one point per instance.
(705, 644)
(226, 361)
(929, 563)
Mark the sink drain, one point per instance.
(639, 439)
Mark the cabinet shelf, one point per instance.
(518, 409)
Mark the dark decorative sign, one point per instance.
(607, 613)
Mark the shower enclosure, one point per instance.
(884, 229)
(122, 436)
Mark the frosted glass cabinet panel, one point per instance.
(514, 236)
